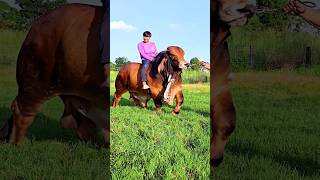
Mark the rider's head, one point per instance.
(146, 36)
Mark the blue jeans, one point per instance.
(144, 68)
(104, 44)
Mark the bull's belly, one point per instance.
(140, 96)
(92, 106)
(97, 115)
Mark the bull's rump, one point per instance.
(129, 78)
(61, 51)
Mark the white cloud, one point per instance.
(173, 26)
(121, 25)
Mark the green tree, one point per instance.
(8, 16)
(195, 64)
(113, 66)
(31, 9)
(120, 61)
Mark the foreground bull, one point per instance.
(60, 57)
(224, 13)
(164, 70)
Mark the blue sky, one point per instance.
(184, 23)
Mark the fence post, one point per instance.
(308, 57)
(251, 57)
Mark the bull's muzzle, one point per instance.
(184, 65)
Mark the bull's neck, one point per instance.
(220, 31)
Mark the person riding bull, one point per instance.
(104, 43)
(148, 52)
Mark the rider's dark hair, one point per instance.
(147, 34)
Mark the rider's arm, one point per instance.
(311, 15)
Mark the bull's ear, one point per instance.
(162, 65)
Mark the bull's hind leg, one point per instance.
(22, 119)
(117, 97)
(223, 124)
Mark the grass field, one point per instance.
(145, 144)
(276, 137)
(277, 133)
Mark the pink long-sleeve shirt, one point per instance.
(148, 50)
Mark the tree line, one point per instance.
(195, 63)
(20, 18)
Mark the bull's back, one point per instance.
(64, 44)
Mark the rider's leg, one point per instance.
(145, 65)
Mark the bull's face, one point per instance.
(236, 12)
(177, 56)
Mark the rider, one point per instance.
(148, 52)
(311, 15)
(105, 41)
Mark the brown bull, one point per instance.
(223, 115)
(166, 67)
(60, 57)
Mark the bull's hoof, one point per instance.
(175, 113)
(215, 162)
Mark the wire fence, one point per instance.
(264, 61)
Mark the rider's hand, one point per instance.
(295, 7)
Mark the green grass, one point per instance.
(277, 133)
(146, 144)
(10, 43)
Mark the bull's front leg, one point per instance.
(157, 98)
(223, 114)
(158, 103)
(223, 124)
(179, 101)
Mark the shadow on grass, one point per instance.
(45, 128)
(305, 166)
(126, 102)
(122, 102)
(201, 112)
